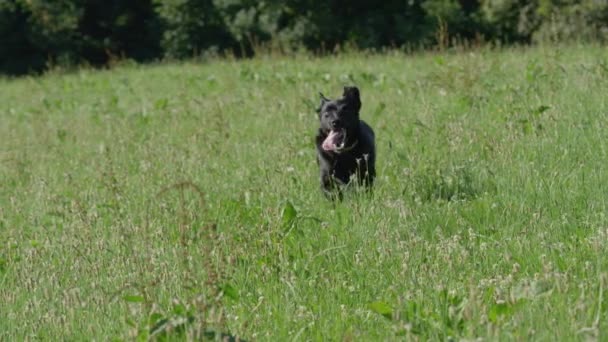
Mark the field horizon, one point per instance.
(181, 201)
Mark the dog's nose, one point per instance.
(335, 123)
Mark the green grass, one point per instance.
(188, 195)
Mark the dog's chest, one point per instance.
(346, 165)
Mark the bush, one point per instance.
(192, 27)
(510, 21)
(14, 48)
(585, 20)
(31, 32)
(116, 28)
(284, 24)
(35, 33)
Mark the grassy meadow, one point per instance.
(182, 201)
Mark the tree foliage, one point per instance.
(38, 33)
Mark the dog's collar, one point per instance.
(346, 149)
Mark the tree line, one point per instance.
(36, 34)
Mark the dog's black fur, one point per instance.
(351, 149)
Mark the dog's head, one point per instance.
(340, 120)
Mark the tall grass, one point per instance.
(182, 201)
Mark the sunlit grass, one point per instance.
(183, 201)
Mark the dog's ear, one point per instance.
(323, 101)
(323, 98)
(351, 95)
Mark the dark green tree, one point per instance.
(192, 27)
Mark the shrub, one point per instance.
(111, 28)
(192, 27)
(585, 20)
(510, 21)
(31, 32)
(36, 32)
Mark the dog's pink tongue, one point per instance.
(329, 143)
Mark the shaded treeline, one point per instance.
(36, 34)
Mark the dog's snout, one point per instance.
(335, 123)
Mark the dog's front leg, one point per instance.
(329, 186)
(366, 172)
(368, 177)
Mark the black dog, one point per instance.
(345, 144)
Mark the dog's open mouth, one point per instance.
(335, 141)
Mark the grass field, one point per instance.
(175, 201)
